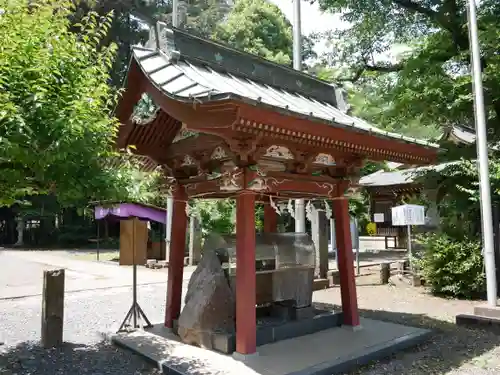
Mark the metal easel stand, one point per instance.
(410, 270)
(135, 314)
(410, 255)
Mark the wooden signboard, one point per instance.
(133, 234)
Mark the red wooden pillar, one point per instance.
(346, 262)
(246, 321)
(270, 219)
(176, 257)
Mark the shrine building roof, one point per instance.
(401, 174)
(383, 178)
(189, 69)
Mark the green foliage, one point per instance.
(129, 26)
(55, 127)
(453, 267)
(456, 185)
(203, 16)
(371, 228)
(410, 61)
(217, 215)
(260, 28)
(75, 235)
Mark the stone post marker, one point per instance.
(52, 308)
(385, 273)
(194, 241)
(319, 229)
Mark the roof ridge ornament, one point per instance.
(161, 37)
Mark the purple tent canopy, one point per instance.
(122, 211)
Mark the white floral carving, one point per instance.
(219, 153)
(187, 161)
(325, 159)
(279, 152)
(230, 181)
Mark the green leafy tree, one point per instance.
(132, 18)
(128, 27)
(260, 28)
(56, 132)
(203, 16)
(425, 81)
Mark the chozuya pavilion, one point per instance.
(232, 125)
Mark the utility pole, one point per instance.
(297, 36)
(175, 13)
(170, 199)
(482, 151)
(300, 209)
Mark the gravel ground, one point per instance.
(87, 314)
(451, 350)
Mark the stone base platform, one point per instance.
(485, 317)
(273, 330)
(328, 352)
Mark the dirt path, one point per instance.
(452, 350)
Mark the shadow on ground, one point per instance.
(449, 347)
(30, 358)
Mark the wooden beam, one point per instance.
(200, 142)
(134, 89)
(356, 141)
(279, 184)
(196, 116)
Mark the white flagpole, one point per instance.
(482, 150)
(300, 210)
(175, 13)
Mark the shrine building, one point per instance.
(233, 125)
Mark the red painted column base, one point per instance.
(176, 257)
(346, 262)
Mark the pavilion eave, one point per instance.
(228, 113)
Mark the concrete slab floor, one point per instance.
(327, 352)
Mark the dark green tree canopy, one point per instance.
(429, 81)
(260, 28)
(56, 129)
(132, 18)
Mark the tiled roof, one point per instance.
(401, 177)
(188, 77)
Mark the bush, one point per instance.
(371, 229)
(452, 267)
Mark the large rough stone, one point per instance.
(209, 303)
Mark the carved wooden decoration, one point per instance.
(183, 134)
(188, 161)
(325, 159)
(244, 148)
(219, 153)
(279, 152)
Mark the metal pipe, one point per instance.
(333, 241)
(98, 234)
(300, 213)
(297, 36)
(134, 274)
(168, 225)
(175, 13)
(482, 150)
